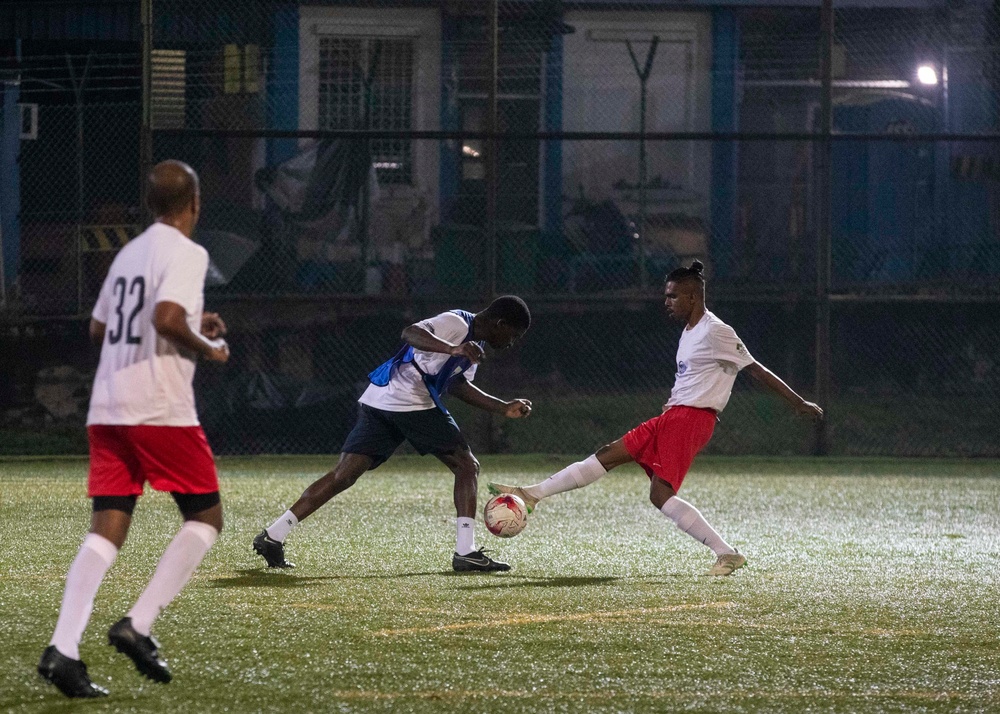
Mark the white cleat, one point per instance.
(727, 564)
(496, 489)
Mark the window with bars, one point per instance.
(367, 83)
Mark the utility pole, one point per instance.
(146, 121)
(492, 147)
(824, 188)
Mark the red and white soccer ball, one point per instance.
(505, 515)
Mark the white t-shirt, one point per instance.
(406, 391)
(142, 378)
(709, 356)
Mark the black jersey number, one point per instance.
(136, 292)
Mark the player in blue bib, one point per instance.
(404, 402)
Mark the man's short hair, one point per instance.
(171, 187)
(696, 272)
(512, 310)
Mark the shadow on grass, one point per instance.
(283, 579)
(527, 581)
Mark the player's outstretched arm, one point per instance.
(170, 321)
(769, 379)
(474, 396)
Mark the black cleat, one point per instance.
(272, 551)
(142, 650)
(477, 561)
(69, 675)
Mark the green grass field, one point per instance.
(872, 586)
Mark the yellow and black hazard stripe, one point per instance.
(94, 239)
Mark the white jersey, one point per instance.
(406, 391)
(143, 378)
(709, 357)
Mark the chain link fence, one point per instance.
(367, 164)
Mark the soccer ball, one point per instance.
(505, 515)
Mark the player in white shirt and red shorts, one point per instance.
(709, 357)
(142, 427)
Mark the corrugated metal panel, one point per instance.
(39, 20)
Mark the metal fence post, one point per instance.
(146, 122)
(824, 176)
(492, 160)
(492, 179)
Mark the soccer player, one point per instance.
(403, 403)
(142, 426)
(708, 358)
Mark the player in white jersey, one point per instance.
(404, 403)
(142, 426)
(709, 357)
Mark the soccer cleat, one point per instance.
(272, 551)
(497, 488)
(727, 564)
(68, 674)
(142, 650)
(477, 561)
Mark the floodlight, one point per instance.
(927, 74)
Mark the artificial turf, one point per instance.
(872, 586)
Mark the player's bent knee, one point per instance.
(193, 504)
(471, 465)
(349, 470)
(467, 468)
(660, 492)
(348, 478)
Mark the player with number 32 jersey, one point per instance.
(143, 378)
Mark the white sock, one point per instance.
(578, 475)
(466, 541)
(82, 581)
(280, 529)
(689, 519)
(173, 571)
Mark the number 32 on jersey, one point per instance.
(134, 293)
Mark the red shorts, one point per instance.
(666, 445)
(172, 458)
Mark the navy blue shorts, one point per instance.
(378, 433)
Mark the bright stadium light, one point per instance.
(926, 74)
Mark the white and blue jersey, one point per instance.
(413, 380)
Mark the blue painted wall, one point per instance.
(449, 163)
(884, 199)
(971, 109)
(283, 82)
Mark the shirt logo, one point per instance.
(682, 367)
(740, 348)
